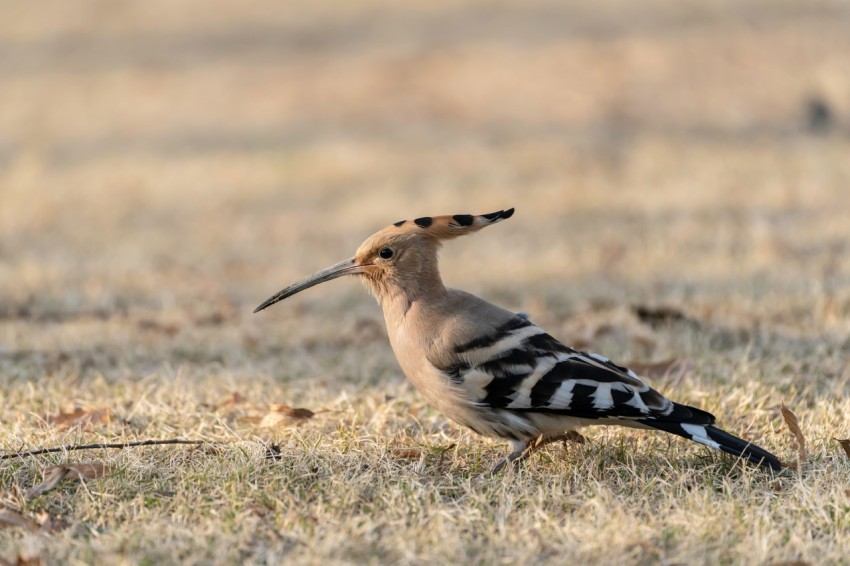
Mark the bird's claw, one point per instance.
(521, 454)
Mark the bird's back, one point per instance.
(479, 357)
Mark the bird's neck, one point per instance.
(399, 297)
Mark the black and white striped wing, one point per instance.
(520, 367)
(520, 370)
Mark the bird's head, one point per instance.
(403, 251)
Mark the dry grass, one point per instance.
(165, 167)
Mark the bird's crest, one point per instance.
(447, 227)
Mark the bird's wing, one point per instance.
(517, 366)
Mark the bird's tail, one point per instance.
(713, 437)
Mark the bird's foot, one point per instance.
(524, 448)
(519, 453)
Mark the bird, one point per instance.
(492, 370)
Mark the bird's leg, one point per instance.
(522, 449)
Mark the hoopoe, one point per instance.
(494, 371)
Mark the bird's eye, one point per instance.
(386, 253)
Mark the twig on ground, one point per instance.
(118, 445)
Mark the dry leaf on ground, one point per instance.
(403, 453)
(406, 453)
(271, 420)
(77, 472)
(230, 401)
(794, 427)
(279, 414)
(845, 444)
(9, 518)
(79, 417)
(295, 413)
(657, 316)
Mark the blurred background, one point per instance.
(178, 162)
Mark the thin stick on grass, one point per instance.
(118, 445)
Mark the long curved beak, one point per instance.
(347, 267)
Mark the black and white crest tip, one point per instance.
(448, 226)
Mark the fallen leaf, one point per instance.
(52, 477)
(80, 417)
(76, 472)
(295, 413)
(284, 414)
(794, 427)
(9, 518)
(845, 444)
(280, 414)
(658, 316)
(271, 420)
(235, 398)
(86, 471)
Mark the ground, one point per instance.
(680, 176)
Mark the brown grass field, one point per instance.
(166, 166)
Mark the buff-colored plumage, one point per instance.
(492, 370)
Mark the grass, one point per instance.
(165, 169)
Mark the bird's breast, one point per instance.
(434, 385)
